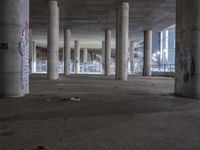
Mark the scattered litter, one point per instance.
(42, 147)
(76, 99)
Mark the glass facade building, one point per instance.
(167, 48)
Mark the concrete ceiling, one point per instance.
(88, 19)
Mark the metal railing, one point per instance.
(94, 67)
(164, 68)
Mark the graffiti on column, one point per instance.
(24, 52)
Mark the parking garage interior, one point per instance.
(105, 75)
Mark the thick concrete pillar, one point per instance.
(85, 59)
(34, 55)
(108, 39)
(93, 56)
(103, 56)
(187, 73)
(67, 51)
(147, 52)
(131, 52)
(27, 9)
(77, 56)
(30, 50)
(122, 31)
(85, 55)
(53, 46)
(14, 48)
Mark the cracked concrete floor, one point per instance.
(140, 114)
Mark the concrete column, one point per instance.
(132, 49)
(30, 50)
(85, 59)
(122, 31)
(93, 56)
(85, 55)
(53, 47)
(77, 56)
(187, 73)
(34, 55)
(147, 52)
(108, 39)
(67, 51)
(27, 9)
(14, 48)
(103, 56)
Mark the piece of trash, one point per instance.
(76, 99)
(42, 147)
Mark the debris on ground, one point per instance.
(76, 99)
(43, 147)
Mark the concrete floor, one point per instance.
(140, 114)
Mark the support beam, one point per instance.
(103, 56)
(77, 57)
(107, 51)
(34, 55)
(93, 56)
(27, 9)
(14, 48)
(53, 40)
(85, 55)
(30, 51)
(187, 73)
(147, 52)
(85, 59)
(67, 51)
(131, 54)
(122, 31)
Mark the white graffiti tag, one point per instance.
(24, 52)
